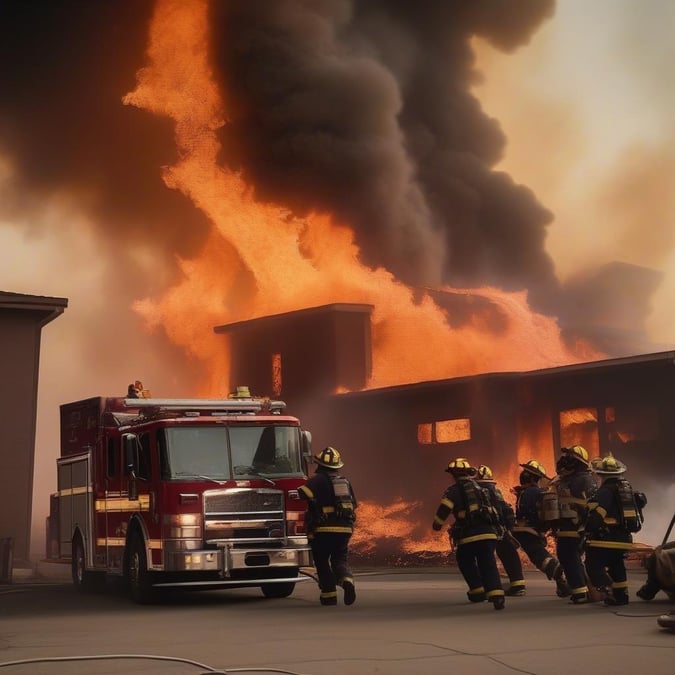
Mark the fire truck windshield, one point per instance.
(222, 453)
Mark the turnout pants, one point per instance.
(534, 546)
(330, 551)
(606, 569)
(478, 565)
(510, 559)
(567, 548)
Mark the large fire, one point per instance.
(297, 262)
(289, 263)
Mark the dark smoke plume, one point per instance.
(364, 109)
(64, 67)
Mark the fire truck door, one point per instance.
(113, 531)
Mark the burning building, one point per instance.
(305, 175)
(398, 439)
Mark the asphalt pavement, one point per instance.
(404, 622)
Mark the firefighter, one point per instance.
(473, 532)
(331, 514)
(660, 566)
(530, 530)
(574, 484)
(614, 512)
(506, 547)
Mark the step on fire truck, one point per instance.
(181, 493)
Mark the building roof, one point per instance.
(344, 307)
(585, 367)
(49, 307)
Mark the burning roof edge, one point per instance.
(354, 308)
(49, 306)
(604, 364)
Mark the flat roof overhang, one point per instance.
(48, 308)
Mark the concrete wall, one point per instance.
(21, 321)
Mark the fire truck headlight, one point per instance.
(295, 523)
(182, 526)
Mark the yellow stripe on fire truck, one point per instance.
(70, 492)
(122, 504)
(121, 541)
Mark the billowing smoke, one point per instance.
(64, 68)
(364, 109)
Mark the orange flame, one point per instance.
(290, 263)
(395, 523)
(295, 262)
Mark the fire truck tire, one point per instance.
(82, 580)
(140, 587)
(277, 590)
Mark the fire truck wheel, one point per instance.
(80, 577)
(277, 590)
(83, 581)
(139, 582)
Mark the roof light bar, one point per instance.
(226, 405)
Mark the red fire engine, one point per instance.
(182, 493)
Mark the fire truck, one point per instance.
(181, 493)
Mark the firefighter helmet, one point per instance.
(578, 453)
(533, 467)
(484, 472)
(608, 465)
(329, 458)
(460, 467)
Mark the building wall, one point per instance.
(321, 350)
(19, 364)
(624, 406)
(22, 318)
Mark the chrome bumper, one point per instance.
(227, 559)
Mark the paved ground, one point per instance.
(404, 622)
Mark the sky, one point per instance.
(560, 113)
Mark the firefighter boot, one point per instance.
(562, 588)
(648, 591)
(476, 594)
(328, 598)
(350, 591)
(667, 621)
(498, 602)
(617, 597)
(516, 589)
(580, 598)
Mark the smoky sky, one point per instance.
(365, 109)
(64, 67)
(362, 108)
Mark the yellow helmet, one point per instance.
(534, 467)
(577, 452)
(484, 472)
(460, 466)
(608, 465)
(330, 458)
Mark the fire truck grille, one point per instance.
(243, 515)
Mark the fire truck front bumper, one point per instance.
(241, 562)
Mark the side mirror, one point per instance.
(306, 443)
(306, 440)
(130, 445)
